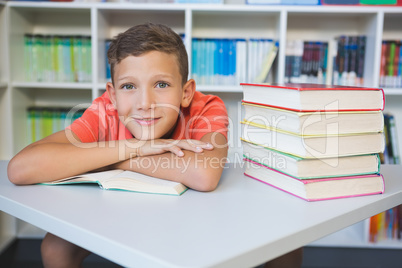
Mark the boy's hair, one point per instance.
(144, 38)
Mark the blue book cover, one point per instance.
(300, 2)
(107, 45)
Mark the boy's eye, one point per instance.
(127, 86)
(162, 85)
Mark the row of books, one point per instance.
(43, 121)
(348, 67)
(391, 152)
(391, 64)
(361, 2)
(231, 61)
(306, 62)
(326, 2)
(316, 142)
(387, 225)
(283, 2)
(57, 58)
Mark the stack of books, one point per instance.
(314, 141)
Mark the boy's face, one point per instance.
(148, 93)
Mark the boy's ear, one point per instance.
(112, 93)
(188, 93)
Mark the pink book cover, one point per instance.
(311, 87)
(307, 181)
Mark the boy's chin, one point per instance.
(146, 137)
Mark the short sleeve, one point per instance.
(100, 122)
(207, 114)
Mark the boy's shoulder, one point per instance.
(202, 101)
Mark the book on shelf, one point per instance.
(378, 2)
(300, 2)
(306, 61)
(310, 168)
(195, 1)
(108, 72)
(314, 97)
(308, 146)
(43, 121)
(348, 63)
(57, 58)
(391, 64)
(391, 153)
(266, 64)
(340, 2)
(314, 123)
(316, 189)
(227, 61)
(125, 180)
(386, 225)
(283, 2)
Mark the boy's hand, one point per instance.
(159, 146)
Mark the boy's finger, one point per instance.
(197, 143)
(176, 150)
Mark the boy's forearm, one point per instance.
(49, 161)
(195, 170)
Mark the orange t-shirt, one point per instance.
(100, 122)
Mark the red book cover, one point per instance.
(265, 99)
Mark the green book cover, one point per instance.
(378, 2)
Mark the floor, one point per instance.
(25, 253)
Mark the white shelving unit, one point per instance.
(8, 228)
(105, 20)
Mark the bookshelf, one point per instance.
(231, 20)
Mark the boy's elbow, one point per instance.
(16, 172)
(208, 181)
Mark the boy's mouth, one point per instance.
(146, 121)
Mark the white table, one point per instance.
(242, 223)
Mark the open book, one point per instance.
(118, 179)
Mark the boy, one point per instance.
(149, 112)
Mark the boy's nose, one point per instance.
(145, 99)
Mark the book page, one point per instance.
(141, 178)
(90, 177)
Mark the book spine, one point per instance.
(396, 64)
(390, 64)
(399, 81)
(297, 62)
(394, 140)
(311, 200)
(194, 59)
(352, 69)
(289, 54)
(384, 49)
(107, 72)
